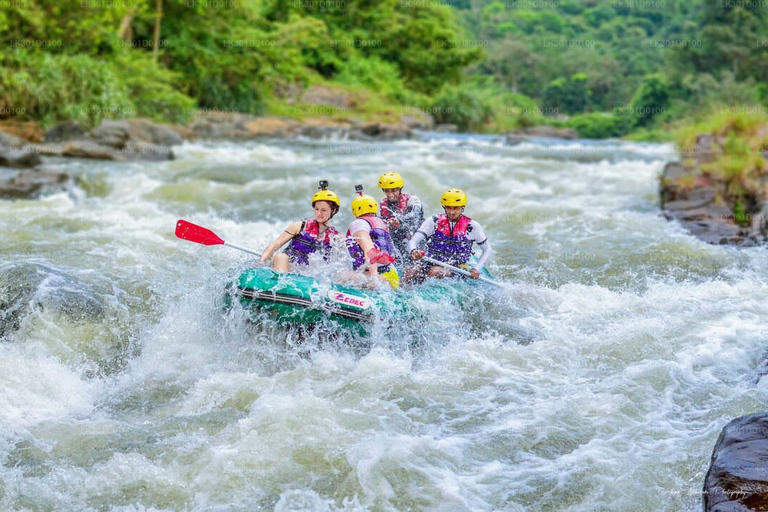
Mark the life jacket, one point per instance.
(306, 242)
(402, 206)
(380, 238)
(450, 245)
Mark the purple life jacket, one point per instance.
(380, 238)
(450, 245)
(306, 242)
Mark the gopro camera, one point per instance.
(359, 189)
(323, 184)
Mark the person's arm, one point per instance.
(414, 214)
(425, 231)
(478, 236)
(291, 231)
(363, 239)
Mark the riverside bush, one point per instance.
(53, 87)
(461, 107)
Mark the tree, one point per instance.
(650, 100)
(729, 39)
(570, 96)
(512, 62)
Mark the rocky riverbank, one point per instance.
(719, 193)
(714, 204)
(24, 175)
(737, 480)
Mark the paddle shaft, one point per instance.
(242, 249)
(460, 271)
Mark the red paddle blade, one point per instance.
(198, 234)
(379, 257)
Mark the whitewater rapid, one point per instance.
(598, 379)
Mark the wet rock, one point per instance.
(117, 134)
(322, 127)
(66, 314)
(550, 132)
(697, 201)
(90, 149)
(417, 121)
(146, 151)
(737, 479)
(31, 183)
(446, 128)
(19, 158)
(66, 131)
(244, 127)
(49, 148)
(11, 141)
(382, 131)
(26, 286)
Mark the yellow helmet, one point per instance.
(325, 195)
(454, 197)
(364, 204)
(390, 180)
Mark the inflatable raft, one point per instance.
(299, 299)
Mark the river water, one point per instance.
(597, 379)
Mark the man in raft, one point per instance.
(369, 242)
(449, 239)
(402, 212)
(307, 236)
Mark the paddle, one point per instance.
(200, 235)
(460, 271)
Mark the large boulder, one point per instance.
(66, 131)
(324, 127)
(446, 128)
(416, 119)
(11, 141)
(35, 296)
(130, 139)
(117, 134)
(26, 286)
(136, 149)
(31, 183)
(737, 480)
(227, 125)
(90, 149)
(698, 200)
(382, 131)
(19, 158)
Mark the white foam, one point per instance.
(37, 389)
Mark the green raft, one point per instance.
(302, 300)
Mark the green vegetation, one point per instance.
(616, 67)
(738, 141)
(607, 68)
(88, 59)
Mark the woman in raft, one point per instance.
(307, 236)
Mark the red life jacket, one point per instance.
(402, 206)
